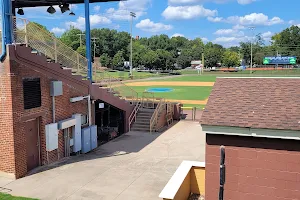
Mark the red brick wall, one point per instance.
(7, 161)
(256, 168)
(15, 124)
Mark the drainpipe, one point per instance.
(6, 27)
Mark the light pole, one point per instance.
(252, 29)
(132, 14)
(94, 41)
(80, 34)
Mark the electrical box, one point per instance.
(86, 140)
(51, 136)
(94, 141)
(77, 133)
(56, 88)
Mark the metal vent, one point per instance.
(32, 93)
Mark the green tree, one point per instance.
(150, 59)
(71, 38)
(118, 60)
(231, 59)
(213, 54)
(82, 50)
(105, 60)
(165, 59)
(185, 58)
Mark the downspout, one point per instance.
(6, 27)
(3, 16)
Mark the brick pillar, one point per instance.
(7, 151)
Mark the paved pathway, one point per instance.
(135, 166)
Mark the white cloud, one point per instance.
(177, 35)
(230, 32)
(243, 2)
(251, 19)
(139, 7)
(97, 8)
(267, 34)
(225, 32)
(238, 27)
(94, 21)
(204, 39)
(58, 31)
(187, 12)
(231, 41)
(150, 26)
(215, 19)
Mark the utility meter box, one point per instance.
(51, 136)
(56, 88)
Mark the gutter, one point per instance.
(6, 27)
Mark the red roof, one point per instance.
(271, 103)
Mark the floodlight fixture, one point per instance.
(64, 7)
(20, 11)
(51, 10)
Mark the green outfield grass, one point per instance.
(10, 197)
(286, 72)
(124, 75)
(194, 105)
(179, 92)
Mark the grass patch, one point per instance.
(179, 92)
(10, 197)
(196, 78)
(194, 105)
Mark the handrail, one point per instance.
(46, 43)
(148, 100)
(117, 86)
(154, 118)
(132, 117)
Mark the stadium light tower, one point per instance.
(252, 28)
(132, 14)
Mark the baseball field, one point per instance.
(190, 90)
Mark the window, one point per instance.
(32, 93)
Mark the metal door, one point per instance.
(32, 143)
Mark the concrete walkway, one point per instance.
(135, 166)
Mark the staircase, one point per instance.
(142, 122)
(63, 63)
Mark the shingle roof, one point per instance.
(271, 103)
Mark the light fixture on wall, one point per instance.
(51, 10)
(64, 7)
(20, 11)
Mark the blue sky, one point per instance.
(224, 22)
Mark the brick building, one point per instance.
(258, 122)
(26, 107)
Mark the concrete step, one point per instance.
(140, 129)
(141, 126)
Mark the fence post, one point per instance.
(55, 51)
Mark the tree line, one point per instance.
(156, 52)
(163, 52)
